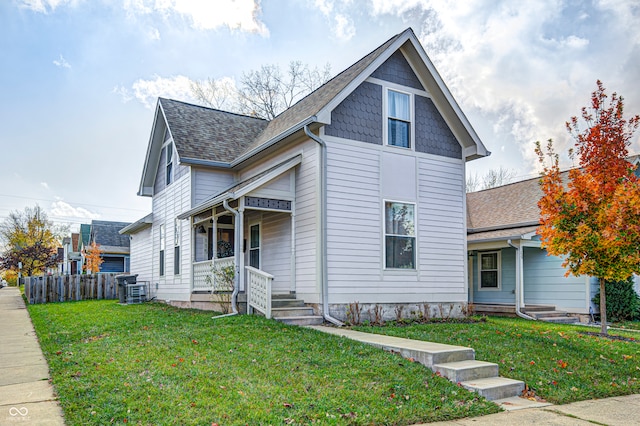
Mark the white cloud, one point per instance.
(153, 34)
(44, 6)
(344, 28)
(62, 62)
(240, 15)
(61, 209)
(342, 25)
(125, 94)
(45, 185)
(148, 91)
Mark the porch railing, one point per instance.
(203, 277)
(259, 296)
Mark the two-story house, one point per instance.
(354, 194)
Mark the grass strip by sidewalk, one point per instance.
(560, 363)
(154, 364)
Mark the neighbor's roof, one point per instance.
(504, 206)
(504, 212)
(107, 234)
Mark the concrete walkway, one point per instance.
(26, 396)
(621, 410)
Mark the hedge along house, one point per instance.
(508, 270)
(354, 194)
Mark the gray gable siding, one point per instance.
(359, 116)
(433, 136)
(397, 70)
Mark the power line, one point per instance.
(71, 202)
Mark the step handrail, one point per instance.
(259, 286)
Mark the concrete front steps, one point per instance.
(289, 310)
(546, 313)
(456, 363)
(551, 315)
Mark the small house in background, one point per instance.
(113, 245)
(507, 266)
(353, 194)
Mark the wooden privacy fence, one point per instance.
(63, 288)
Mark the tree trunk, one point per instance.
(603, 309)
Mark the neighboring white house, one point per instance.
(354, 194)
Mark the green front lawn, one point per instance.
(560, 363)
(153, 364)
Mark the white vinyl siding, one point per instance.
(167, 205)
(356, 238)
(207, 183)
(141, 258)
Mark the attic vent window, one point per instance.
(169, 163)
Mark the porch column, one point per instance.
(520, 275)
(214, 229)
(292, 280)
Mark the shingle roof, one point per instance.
(212, 135)
(106, 233)
(319, 98)
(208, 134)
(506, 211)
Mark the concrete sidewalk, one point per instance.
(621, 410)
(26, 396)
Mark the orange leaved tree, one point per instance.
(593, 219)
(93, 258)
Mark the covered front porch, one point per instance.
(244, 240)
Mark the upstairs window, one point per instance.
(399, 235)
(169, 163)
(489, 270)
(398, 119)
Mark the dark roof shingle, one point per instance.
(208, 134)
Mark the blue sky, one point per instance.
(80, 77)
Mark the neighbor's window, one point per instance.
(398, 119)
(489, 270)
(399, 235)
(169, 163)
(162, 250)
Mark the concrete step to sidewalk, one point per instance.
(301, 320)
(457, 363)
(462, 371)
(494, 388)
(291, 312)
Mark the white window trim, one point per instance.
(169, 146)
(259, 224)
(162, 268)
(499, 287)
(385, 120)
(177, 240)
(415, 237)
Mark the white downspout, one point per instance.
(324, 282)
(238, 253)
(519, 280)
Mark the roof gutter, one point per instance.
(501, 227)
(519, 280)
(236, 281)
(323, 227)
